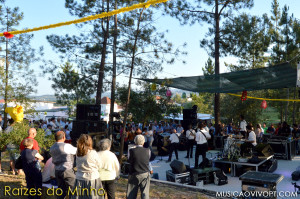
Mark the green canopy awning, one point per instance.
(273, 77)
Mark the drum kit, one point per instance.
(232, 147)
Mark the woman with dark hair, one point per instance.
(88, 183)
(202, 147)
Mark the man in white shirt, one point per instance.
(205, 127)
(190, 135)
(243, 125)
(174, 140)
(249, 143)
(202, 146)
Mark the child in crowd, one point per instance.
(32, 168)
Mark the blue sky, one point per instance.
(44, 12)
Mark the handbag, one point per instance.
(19, 163)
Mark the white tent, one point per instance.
(200, 116)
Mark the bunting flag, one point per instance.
(88, 18)
(258, 98)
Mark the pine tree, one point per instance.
(191, 12)
(247, 38)
(16, 76)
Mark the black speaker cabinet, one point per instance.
(178, 167)
(187, 114)
(88, 112)
(86, 127)
(96, 126)
(185, 124)
(264, 150)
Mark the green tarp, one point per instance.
(273, 77)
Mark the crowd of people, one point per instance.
(98, 170)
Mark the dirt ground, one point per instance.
(157, 190)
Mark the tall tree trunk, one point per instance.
(129, 85)
(294, 105)
(103, 56)
(217, 63)
(6, 83)
(6, 75)
(287, 104)
(281, 112)
(114, 69)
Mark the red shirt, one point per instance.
(35, 144)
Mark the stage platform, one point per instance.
(285, 168)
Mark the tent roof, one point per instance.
(273, 77)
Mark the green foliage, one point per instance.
(209, 68)
(247, 38)
(20, 55)
(199, 11)
(19, 132)
(146, 105)
(70, 86)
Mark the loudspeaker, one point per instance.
(85, 127)
(79, 127)
(189, 114)
(96, 126)
(88, 112)
(264, 150)
(178, 167)
(185, 124)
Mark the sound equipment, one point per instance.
(264, 150)
(83, 127)
(185, 124)
(182, 178)
(177, 167)
(96, 126)
(189, 114)
(269, 166)
(86, 127)
(88, 112)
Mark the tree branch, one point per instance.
(226, 3)
(200, 11)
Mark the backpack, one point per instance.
(296, 175)
(220, 178)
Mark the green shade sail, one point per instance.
(273, 77)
